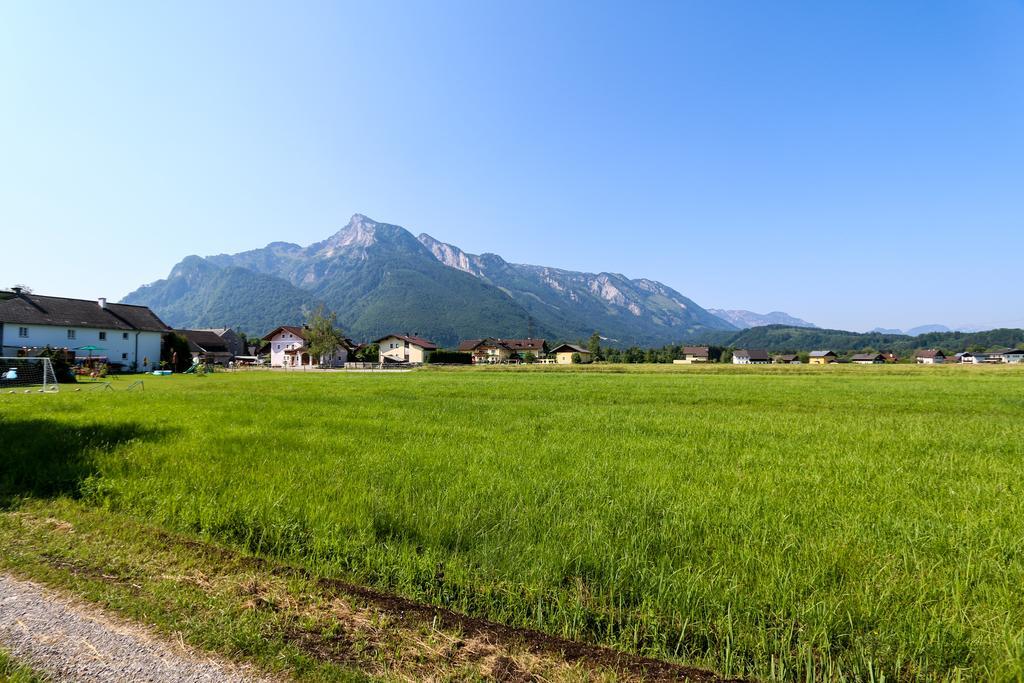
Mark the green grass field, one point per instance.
(779, 522)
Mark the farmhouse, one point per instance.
(404, 348)
(930, 357)
(210, 347)
(490, 350)
(695, 354)
(1012, 355)
(787, 359)
(289, 349)
(751, 357)
(821, 357)
(868, 358)
(564, 353)
(121, 334)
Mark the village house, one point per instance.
(1013, 356)
(930, 357)
(563, 354)
(119, 334)
(868, 359)
(490, 350)
(404, 348)
(890, 357)
(694, 354)
(751, 357)
(821, 357)
(208, 346)
(289, 349)
(787, 359)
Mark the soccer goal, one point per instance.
(26, 375)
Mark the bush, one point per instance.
(450, 357)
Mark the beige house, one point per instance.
(404, 348)
(693, 354)
(490, 350)
(821, 357)
(563, 354)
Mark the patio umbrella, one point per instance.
(90, 348)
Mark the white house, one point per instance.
(118, 333)
(930, 357)
(1013, 356)
(868, 359)
(288, 349)
(751, 357)
(404, 348)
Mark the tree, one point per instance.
(576, 359)
(528, 357)
(594, 346)
(322, 337)
(370, 353)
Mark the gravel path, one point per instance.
(73, 642)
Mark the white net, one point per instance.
(18, 375)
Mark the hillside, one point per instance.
(784, 339)
(625, 311)
(379, 278)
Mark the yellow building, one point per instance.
(403, 348)
(564, 353)
(821, 357)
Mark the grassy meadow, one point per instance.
(780, 522)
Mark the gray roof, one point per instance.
(753, 354)
(867, 356)
(569, 347)
(205, 341)
(33, 309)
(821, 354)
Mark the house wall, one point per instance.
(565, 357)
(399, 349)
(930, 361)
(281, 342)
(740, 360)
(118, 347)
(819, 361)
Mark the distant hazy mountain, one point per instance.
(379, 278)
(925, 329)
(915, 331)
(748, 319)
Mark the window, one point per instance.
(103, 336)
(71, 334)
(22, 331)
(124, 356)
(124, 335)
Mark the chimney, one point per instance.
(16, 289)
(102, 301)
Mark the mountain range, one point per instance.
(747, 319)
(379, 279)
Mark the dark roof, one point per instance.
(752, 354)
(33, 309)
(418, 341)
(510, 344)
(695, 350)
(787, 357)
(569, 347)
(297, 331)
(930, 353)
(867, 356)
(205, 341)
(821, 354)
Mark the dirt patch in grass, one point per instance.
(295, 621)
(490, 635)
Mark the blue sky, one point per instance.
(854, 164)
